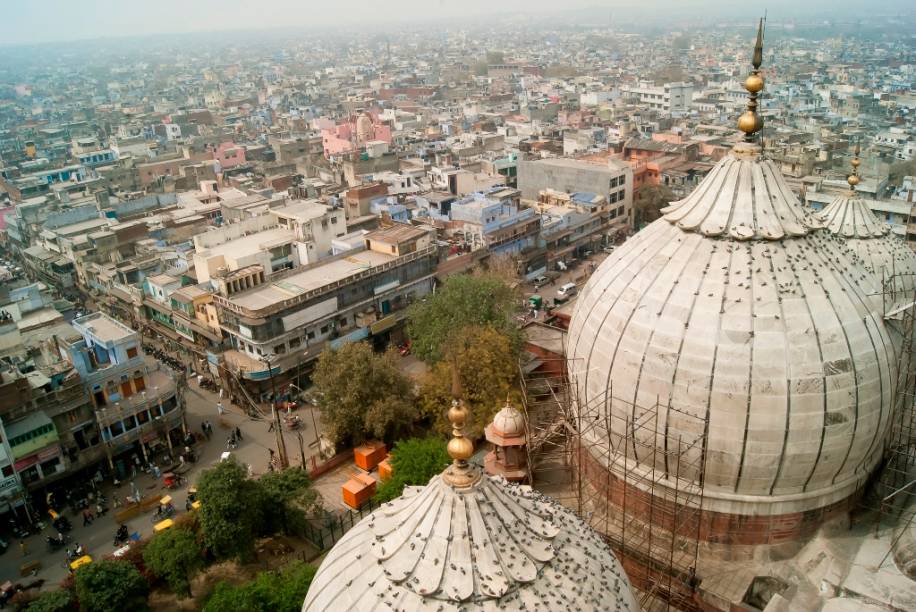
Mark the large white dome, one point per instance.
(488, 546)
(741, 318)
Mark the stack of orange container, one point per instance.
(384, 469)
(358, 490)
(367, 456)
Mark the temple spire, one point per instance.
(750, 122)
(853, 179)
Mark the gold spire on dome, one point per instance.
(853, 179)
(460, 473)
(750, 122)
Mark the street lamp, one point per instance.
(314, 423)
(281, 443)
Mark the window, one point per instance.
(116, 429)
(280, 349)
(7, 471)
(131, 352)
(334, 220)
(295, 343)
(143, 417)
(310, 335)
(324, 329)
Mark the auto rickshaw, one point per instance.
(78, 563)
(171, 480)
(163, 525)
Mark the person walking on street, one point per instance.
(271, 428)
(238, 433)
(219, 408)
(203, 428)
(22, 548)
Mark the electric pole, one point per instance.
(275, 415)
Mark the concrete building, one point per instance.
(137, 405)
(672, 99)
(613, 180)
(289, 318)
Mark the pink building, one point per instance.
(229, 155)
(353, 134)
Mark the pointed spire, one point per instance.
(853, 179)
(460, 448)
(750, 122)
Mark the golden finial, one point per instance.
(750, 122)
(460, 448)
(853, 179)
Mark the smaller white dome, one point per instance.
(509, 422)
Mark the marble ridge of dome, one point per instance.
(850, 217)
(744, 197)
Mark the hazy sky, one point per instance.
(31, 21)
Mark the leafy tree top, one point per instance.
(111, 584)
(464, 300)
(414, 461)
(364, 394)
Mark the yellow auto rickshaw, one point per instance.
(163, 525)
(78, 563)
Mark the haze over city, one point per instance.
(411, 305)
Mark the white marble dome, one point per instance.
(870, 239)
(488, 546)
(509, 422)
(740, 317)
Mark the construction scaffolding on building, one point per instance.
(648, 510)
(896, 481)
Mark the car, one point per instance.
(566, 291)
(540, 281)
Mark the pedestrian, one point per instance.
(219, 408)
(22, 548)
(271, 428)
(87, 517)
(203, 427)
(238, 433)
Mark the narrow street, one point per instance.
(97, 538)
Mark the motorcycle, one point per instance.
(121, 536)
(56, 543)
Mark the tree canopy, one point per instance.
(282, 591)
(487, 362)
(414, 461)
(231, 513)
(288, 498)
(111, 585)
(58, 600)
(175, 556)
(648, 203)
(363, 394)
(479, 300)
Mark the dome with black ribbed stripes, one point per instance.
(751, 336)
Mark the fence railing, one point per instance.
(334, 527)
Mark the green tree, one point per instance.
(363, 394)
(175, 556)
(288, 499)
(487, 361)
(648, 203)
(414, 461)
(111, 585)
(464, 300)
(281, 591)
(58, 600)
(231, 513)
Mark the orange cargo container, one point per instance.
(384, 469)
(369, 455)
(358, 490)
